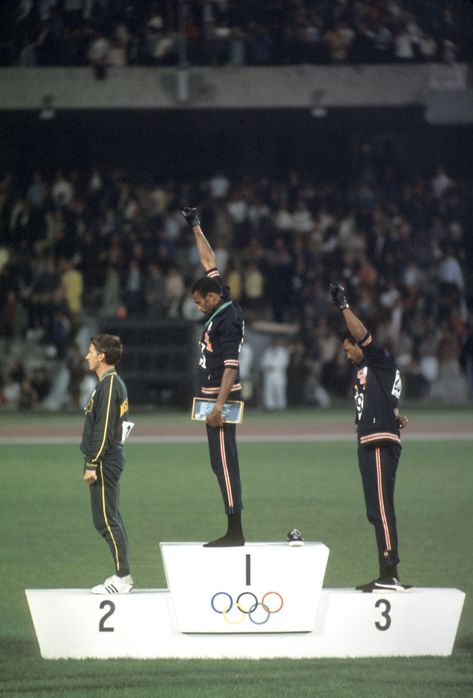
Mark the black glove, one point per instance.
(190, 214)
(338, 296)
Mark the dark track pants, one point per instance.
(105, 500)
(378, 465)
(224, 462)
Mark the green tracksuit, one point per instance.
(101, 445)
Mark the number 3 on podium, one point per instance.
(385, 614)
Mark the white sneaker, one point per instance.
(114, 585)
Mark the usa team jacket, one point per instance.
(104, 414)
(377, 390)
(221, 342)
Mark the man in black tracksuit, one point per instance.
(102, 446)
(377, 389)
(220, 346)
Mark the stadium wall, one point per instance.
(301, 86)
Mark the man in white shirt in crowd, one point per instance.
(274, 363)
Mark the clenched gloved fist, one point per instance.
(339, 298)
(190, 214)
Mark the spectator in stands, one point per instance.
(155, 286)
(218, 33)
(77, 367)
(12, 316)
(449, 271)
(37, 192)
(40, 382)
(450, 386)
(246, 371)
(285, 235)
(97, 55)
(62, 190)
(72, 286)
(237, 46)
(219, 186)
(405, 42)
(11, 393)
(274, 362)
(297, 374)
(235, 280)
(134, 288)
(174, 290)
(339, 41)
(441, 182)
(112, 296)
(28, 396)
(253, 288)
(428, 356)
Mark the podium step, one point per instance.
(258, 588)
(73, 623)
(261, 600)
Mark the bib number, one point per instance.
(397, 386)
(202, 361)
(359, 404)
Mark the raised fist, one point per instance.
(190, 214)
(339, 298)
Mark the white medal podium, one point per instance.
(261, 600)
(258, 588)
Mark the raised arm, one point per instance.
(356, 328)
(359, 332)
(206, 255)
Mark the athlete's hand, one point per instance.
(90, 476)
(401, 421)
(339, 298)
(190, 214)
(214, 418)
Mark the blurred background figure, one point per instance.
(274, 362)
(247, 371)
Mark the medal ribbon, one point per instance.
(219, 310)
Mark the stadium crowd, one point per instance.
(232, 32)
(95, 243)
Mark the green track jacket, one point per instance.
(105, 412)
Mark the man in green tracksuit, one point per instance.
(105, 430)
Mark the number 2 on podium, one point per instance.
(111, 610)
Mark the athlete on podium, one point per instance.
(377, 389)
(220, 345)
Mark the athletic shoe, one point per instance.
(114, 585)
(384, 584)
(391, 584)
(294, 538)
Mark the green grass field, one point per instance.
(47, 540)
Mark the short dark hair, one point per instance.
(110, 345)
(348, 337)
(204, 285)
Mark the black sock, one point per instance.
(234, 525)
(389, 571)
(234, 535)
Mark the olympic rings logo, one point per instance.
(248, 605)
